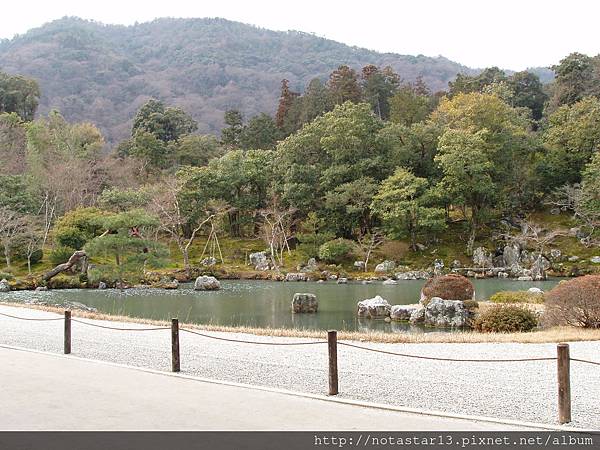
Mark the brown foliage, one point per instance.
(575, 302)
(449, 287)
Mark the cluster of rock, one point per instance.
(296, 276)
(260, 261)
(207, 283)
(432, 310)
(304, 303)
(4, 286)
(510, 262)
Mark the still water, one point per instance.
(261, 303)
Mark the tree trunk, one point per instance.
(7, 255)
(74, 259)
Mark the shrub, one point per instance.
(516, 297)
(64, 282)
(6, 276)
(448, 287)
(60, 254)
(335, 251)
(575, 302)
(70, 237)
(471, 305)
(505, 319)
(37, 256)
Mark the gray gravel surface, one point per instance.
(519, 391)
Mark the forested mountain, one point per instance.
(104, 73)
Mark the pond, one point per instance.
(260, 303)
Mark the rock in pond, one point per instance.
(207, 283)
(390, 282)
(402, 312)
(535, 290)
(102, 285)
(442, 313)
(210, 261)
(360, 265)
(374, 308)
(4, 286)
(342, 280)
(304, 303)
(296, 276)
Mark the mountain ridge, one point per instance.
(102, 73)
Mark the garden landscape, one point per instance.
(432, 225)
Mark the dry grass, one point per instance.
(556, 334)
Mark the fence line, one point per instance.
(563, 356)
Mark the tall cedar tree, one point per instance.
(285, 103)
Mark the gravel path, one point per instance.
(520, 391)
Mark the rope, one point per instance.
(29, 318)
(251, 342)
(119, 329)
(444, 359)
(586, 361)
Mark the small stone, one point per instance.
(342, 280)
(4, 286)
(401, 312)
(390, 282)
(595, 259)
(296, 276)
(102, 285)
(41, 288)
(535, 290)
(573, 258)
(385, 266)
(360, 265)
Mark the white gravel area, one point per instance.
(518, 391)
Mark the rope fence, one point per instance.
(562, 357)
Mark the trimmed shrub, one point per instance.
(64, 282)
(471, 305)
(60, 254)
(575, 302)
(448, 287)
(505, 319)
(516, 297)
(335, 251)
(70, 237)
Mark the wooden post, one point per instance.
(67, 332)
(175, 364)
(563, 360)
(333, 370)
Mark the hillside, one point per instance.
(103, 73)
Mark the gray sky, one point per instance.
(512, 34)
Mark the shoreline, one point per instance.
(552, 335)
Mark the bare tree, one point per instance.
(367, 243)
(276, 229)
(11, 224)
(173, 220)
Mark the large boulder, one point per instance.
(296, 276)
(374, 308)
(539, 267)
(482, 258)
(401, 312)
(304, 303)
(207, 283)
(259, 261)
(511, 255)
(4, 286)
(385, 266)
(442, 313)
(448, 287)
(311, 266)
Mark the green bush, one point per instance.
(505, 319)
(471, 305)
(516, 297)
(6, 276)
(70, 237)
(60, 254)
(335, 251)
(64, 282)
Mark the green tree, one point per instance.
(312, 234)
(378, 86)
(230, 135)
(315, 101)
(528, 92)
(19, 95)
(408, 107)
(126, 244)
(404, 204)
(577, 76)
(571, 138)
(260, 133)
(468, 174)
(165, 123)
(197, 150)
